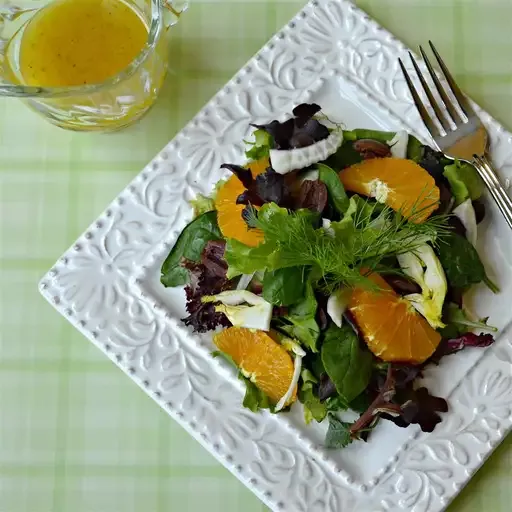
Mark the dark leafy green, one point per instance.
(346, 363)
(345, 156)
(189, 245)
(461, 262)
(360, 403)
(285, 286)
(337, 193)
(338, 434)
(316, 365)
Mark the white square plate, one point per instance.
(107, 285)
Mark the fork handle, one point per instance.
(487, 172)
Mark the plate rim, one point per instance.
(101, 249)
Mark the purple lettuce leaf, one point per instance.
(267, 187)
(299, 131)
(453, 345)
(242, 173)
(208, 277)
(397, 400)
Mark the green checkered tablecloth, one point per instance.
(75, 433)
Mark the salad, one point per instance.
(332, 268)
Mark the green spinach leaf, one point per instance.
(189, 245)
(346, 363)
(284, 286)
(345, 156)
(461, 262)
(360, 403)
(316, 365)
(338, 433)
(334, 186)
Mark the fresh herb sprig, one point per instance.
(360, 243)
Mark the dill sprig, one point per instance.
(361, 241)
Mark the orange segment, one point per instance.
(390, 326)
(257, 354)
(229, 214)
(400, 183)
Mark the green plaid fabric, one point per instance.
(75, 433)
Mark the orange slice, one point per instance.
(400, 183)
(390, 326)
(267, 363)
(229, 214)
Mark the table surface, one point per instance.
(75, 433)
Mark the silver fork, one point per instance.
(468, 141)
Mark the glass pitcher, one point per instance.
(110, 105)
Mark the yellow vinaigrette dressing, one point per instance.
(77, 42)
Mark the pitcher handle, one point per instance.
(176, 8)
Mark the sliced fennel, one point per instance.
(243, 308)
(466, 214)
(398, 144)
(337, 305)
(287, 160)
(245, 280)
(297, 368)
(423, 266)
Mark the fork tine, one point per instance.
(431, 127)
(440, 89)
(433, 102)
(463, 102)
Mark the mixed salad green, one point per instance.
(319, 242)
